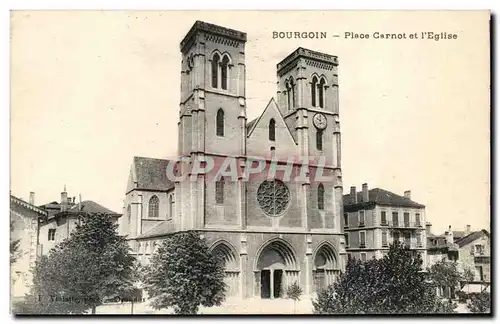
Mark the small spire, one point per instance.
(64, 188)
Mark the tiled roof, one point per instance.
(152, 173)
(471, 237)
(91, 207)
(25, 204)
(458, 234)
(163, 228)
(383, 197)
(250, 124)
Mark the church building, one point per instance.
(271, 232)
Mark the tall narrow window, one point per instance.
(154, 204)
(346, 220)
(219, 191)
(395, 219)
(384, 238)
(170, 207)
(321, 89)
(288, 96)
(417, 220)
(406, 218)
(383, 217)
(362, 239)
(224, 67)
(220, 122)
(129, 214)
(319, 140)
(52, 234)
(292, 87)
(215, 70)
(272, 130)
(313, 90)
(321, 197)
(361, 218)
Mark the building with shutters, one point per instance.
(375, 218)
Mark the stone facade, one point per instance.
(265, 248)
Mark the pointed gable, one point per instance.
(258, 141)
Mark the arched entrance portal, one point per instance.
(326, 267)
(276, 269)
(224, 252)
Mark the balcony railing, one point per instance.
(404, 225)
(362, 245)
(361, 224)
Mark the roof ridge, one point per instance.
(149, 158)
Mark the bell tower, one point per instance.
(308, 98)
(212, 119)
(212, 107)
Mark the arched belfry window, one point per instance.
(314, 84)
(292, 87)
(272, 130)
(215, 70)
(321, 92)
(129, 214)
(224, 70)
(319, 140)
(220, 122)
(219, 191)
(154, 205)
(321, 197)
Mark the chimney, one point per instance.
(364, 187)
(428, 228)
(449, 235)
(408, 194)
(79, 202)
(64, 199)
(354, 196)
(467, 230)
(74, 199)
(32, 198)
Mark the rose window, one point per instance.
(273, 197)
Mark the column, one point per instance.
(271, 284)
(309, 263)
(243, 266)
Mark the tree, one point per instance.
(294, 292)
(394, 284)
(480, 303)
(445, 273)
(14, 246)
(81, 271)
(184, 275)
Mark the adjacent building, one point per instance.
(375, 218)
(60, 219)
(271, 232)
(24, 218)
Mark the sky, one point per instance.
(92, 89)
